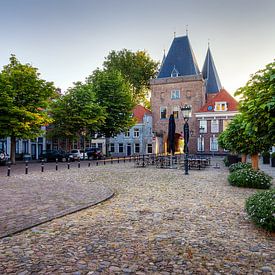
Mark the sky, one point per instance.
(68, 39)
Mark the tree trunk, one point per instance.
(12, 152)
(255, 161)
(244, 156)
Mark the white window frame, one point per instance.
(119, 147)
(112, 147)
(127, 133)
(200, 144)
(176, 112)
(136, 132)
(175, 94)
(149, 145)
(137, 145)
(203, 123)
(215, 126)
(161, 110)
(216, 147)
(220, 106)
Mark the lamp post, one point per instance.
(186, 111)
(201, 135)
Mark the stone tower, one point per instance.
(178, 83)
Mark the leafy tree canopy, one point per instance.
(136, 67)
(113, 93)
(77, 112)
(257, 105)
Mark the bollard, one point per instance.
(26, 167)
(56, 164)
(143, 162)
(130, 159)
(124, 159)
(89, 164)
(68, 163)
(117, 159)
(97, 163)
(111, 160)
(104, 162)
(78, 162)
(9, 169)
(42, 165)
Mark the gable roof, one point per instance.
(180, 58)
(139, 111)
(209, 73)
(222, 96)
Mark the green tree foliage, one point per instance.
(24, 101)
(136, 67)
(113, 93)
(77, 113)
(257, 105)
(237, 139)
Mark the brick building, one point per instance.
(180, 83)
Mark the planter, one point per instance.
(266, 159)
(233, 159)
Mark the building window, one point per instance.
(120, 147)
(163, 112)
(136, 132)
(93, 145)
(149, 148)
(112, 147)
(127, 133)
(99, 146)
(137, 148)
(225, 123)
(175, 94)
(203, 126)
(220, 106)
(176, 112)
(214, 126)
(200, 144)
(213, 143)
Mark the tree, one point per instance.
(136, 67)
(237, 139)
(24, 101)
(77, 113)
(113, 93)
(258, 105)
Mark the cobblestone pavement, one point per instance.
(28, 200)
(159, 222)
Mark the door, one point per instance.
(33, 151)
(129, 149)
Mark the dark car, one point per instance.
(3, 157)
(52, 155)
(93, 153)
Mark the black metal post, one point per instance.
(9, 169)
(68, 163)
(78, 162)
(111, 160)
(124, 159)
(186, 140)
(26, 167)
(56, 164)
(42, 165)
(104, 162)
(89, 164)
(117, 159)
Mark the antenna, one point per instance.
(174, 34)
(186, 29)
(208, 43)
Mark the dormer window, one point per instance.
(220, 106)
(174, 72)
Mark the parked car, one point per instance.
(75, 154)
(4, 157)
(94, 153)
(52, 155)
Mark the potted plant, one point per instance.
(273, 159)
(266, 157)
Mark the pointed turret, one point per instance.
(180, 59)
(209, 73)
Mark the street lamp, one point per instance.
(201, 135)
(186, 111)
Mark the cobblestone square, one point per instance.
(159, 221)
